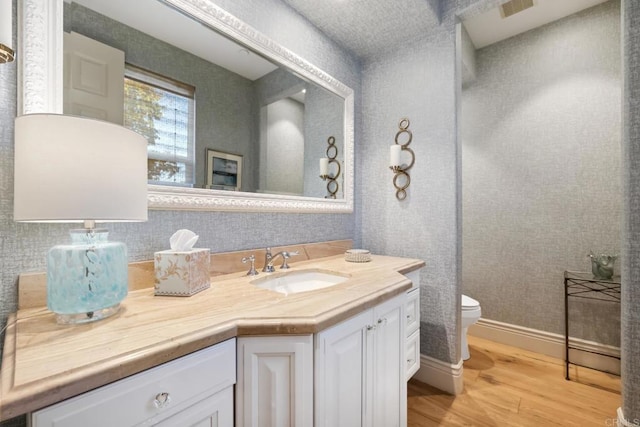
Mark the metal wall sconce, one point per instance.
(332, 153)
(6, 31)
(401, 178)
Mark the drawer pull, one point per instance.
(162, 400)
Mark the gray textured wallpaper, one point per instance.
(284, 147)
(282, 141)
(541, 171)
(416, 82)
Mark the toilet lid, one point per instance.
(468, 302)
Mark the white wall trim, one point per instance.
(441, 375)
(548, 343)
(623, 422)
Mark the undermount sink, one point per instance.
(293, 282)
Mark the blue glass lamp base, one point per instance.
(90, 316)
(87, 279)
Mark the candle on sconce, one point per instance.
(324, 166)
(5, 23)
(394, 154)
(6, 31)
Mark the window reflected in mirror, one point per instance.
(163, 111)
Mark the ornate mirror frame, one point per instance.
(40, 90)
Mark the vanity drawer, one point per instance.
(413, 354)
(150, 396)
(413, 311)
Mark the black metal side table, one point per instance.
(578, 284)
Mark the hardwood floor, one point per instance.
(507, 386)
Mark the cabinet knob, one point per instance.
(371, 327)
(382, 320)
(162, 400)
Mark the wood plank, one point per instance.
(513, 387)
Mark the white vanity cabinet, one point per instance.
(360, 374)
(351, 374)
(275, 381)
(194, 390)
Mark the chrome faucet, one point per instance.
(269, 258)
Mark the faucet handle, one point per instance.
(252, 259)
(285, 257)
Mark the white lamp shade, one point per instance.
(71, 169)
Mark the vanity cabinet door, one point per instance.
(343, 372)
(360, 367)
(275, 381)
(413, 354)
(389, 374)
(185, 388)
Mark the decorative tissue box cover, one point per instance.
(181, 273)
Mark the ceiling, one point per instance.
(184, 33)
(368, 27)
(489, 27)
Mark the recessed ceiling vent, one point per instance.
(514, 6)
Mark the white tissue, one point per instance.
(183, 240)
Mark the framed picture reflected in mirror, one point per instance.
(224, 171)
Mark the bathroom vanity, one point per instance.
(333, 356)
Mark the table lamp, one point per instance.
(74, 169)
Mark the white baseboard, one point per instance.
(624, 422)
(441, 375)
(549, 344)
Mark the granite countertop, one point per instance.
(44, 363)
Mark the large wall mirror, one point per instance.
(234, 120)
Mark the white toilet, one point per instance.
(470, 314)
